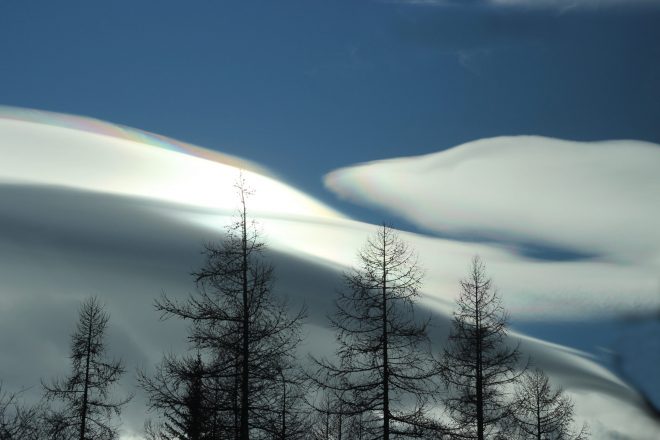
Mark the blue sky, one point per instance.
(304, 87)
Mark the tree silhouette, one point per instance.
(385, 369)
(179, 391)
(19, 421)
(477, 364)
(237, 321)
(289, 415)
(333, 419)
(328, 420)
(88, 406)
(543, 413)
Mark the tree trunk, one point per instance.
(479, 366)
(83, 412)
(283, 408)
(538, 415)
(245, 434)
(386, 372)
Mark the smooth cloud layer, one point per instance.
(58, 148)
(588, 210)
(596, 198)
(123, 221)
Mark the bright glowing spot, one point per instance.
(118, 160)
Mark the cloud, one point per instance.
(599, 198)
(71, 226)
(562, 5)
(127, 251)
(160, 169)
(570, 4)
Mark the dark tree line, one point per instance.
(241, 378)
(385, 378)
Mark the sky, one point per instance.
(307, 88)
(304, 87)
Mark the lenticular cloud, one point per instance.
(90, 208)
(594, 198)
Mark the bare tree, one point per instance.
(288, 415)
(543, 413)
(235, 317)
(477, 365)
(181, 392)
(328, 420)
(385, 369)
(333, 419)
(88, 406)
(153, 431)
(19, 421)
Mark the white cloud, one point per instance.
(599, 198)
(87, 214)
(163, 169)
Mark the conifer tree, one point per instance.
(179, 392)
(384, 369)
(477, 364)
(19, 421)
(88, 406)
(237, 320)
(543, 413)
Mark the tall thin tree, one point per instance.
(236, 318)
(86, 395)
(384, 369)
(477, 364)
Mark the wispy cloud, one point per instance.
(561, 5)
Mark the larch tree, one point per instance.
(87, 402)
(179, 392)
(237, 320)
(477, 365)
(324, 423)
(384, 369)
(333, 419)
(19, 421)
(541, 412)
(289, 418)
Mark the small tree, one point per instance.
(385, 367)
(477, 365)
(333, 419)
(328, 420)
(179, 391)
(543, 413)
(237, 320)
(88, 406)
(289, 415)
